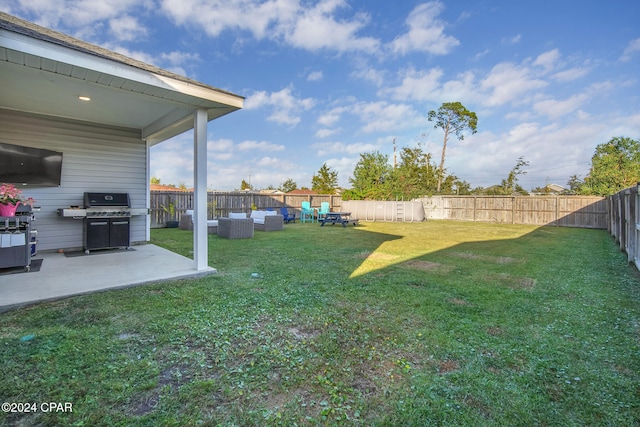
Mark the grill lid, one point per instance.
(106, 200)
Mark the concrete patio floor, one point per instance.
(61, 276)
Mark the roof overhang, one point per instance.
(46, 76)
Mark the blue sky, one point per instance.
(327, 80)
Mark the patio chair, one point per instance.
(306, 212)
(237, 226)
(324, 209)
(186, 220)
(186, 223)
(287, 217)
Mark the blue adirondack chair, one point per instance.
(306, 212)
(287, 216)
(324, 209)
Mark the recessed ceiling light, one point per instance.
(84, 98)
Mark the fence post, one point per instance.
(636, 228)
(475, 199)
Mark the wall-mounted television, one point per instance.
(29, 166)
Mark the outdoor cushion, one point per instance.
(237, 215)
(258, 216)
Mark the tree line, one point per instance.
(615, 166)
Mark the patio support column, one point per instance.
(200, 238)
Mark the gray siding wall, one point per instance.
(95, 159)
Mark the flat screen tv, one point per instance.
(29, 166)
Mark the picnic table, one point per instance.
(343, 218)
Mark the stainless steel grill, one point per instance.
(106, 222)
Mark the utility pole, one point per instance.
(394, 153)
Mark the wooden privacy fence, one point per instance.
(567, 211)
(625, 222)
(219, 204)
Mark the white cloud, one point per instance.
(382, 116)
(178, 58)
(332, 116)
(315, 76)
(325, 133)
(416, 85)
(286, 108)
(553, 108)
(82, 18)
(504, 83)
(479, 55)
(220, 150)
(127, 28)
(570, 75)
(632, 48)
(379, 116)
(522, 132)
(172, 161)
(425, 85)
(509, 83)
(301, 26)
(268, 161)
(548, 60)
(216, 17)
(260, 172)
(513, 40)
(463, 87)
(426, 32)
(316, 28)
(332, 148)
(344, 166)
(259, 146)
(223, 144)
(369, 74)
(171, 61)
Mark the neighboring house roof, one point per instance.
(160, 187)
(44, 72)
(555, 188)
(301, 192)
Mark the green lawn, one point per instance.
(434, 323)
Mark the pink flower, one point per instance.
(10, 195)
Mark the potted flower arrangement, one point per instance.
(10, 198)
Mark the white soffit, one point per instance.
(46, 78)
